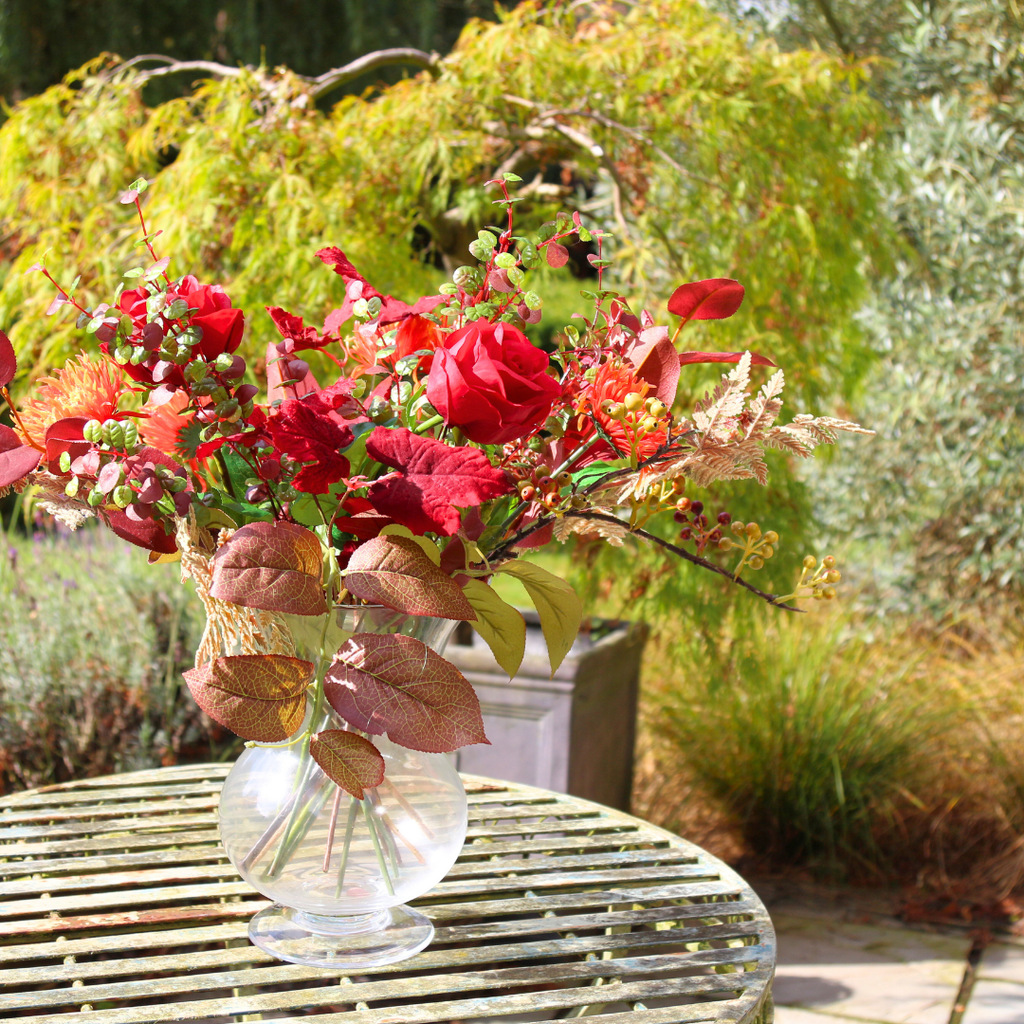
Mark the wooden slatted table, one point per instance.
(119, 905)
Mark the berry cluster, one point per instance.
(757, 547)
(546, 489)
(638, 415)
(697, 528)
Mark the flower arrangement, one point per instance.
(448, 444)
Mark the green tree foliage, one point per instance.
(704, 155)
(943, 492)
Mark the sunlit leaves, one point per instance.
(260, 697)
(502, 627)
(557, 605)
(348, 759)
(274, 566)
(398, 685)
(714, 299)
(396, 572)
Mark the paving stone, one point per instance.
(1003, 962)
(794, 1015)
(889, 974)
(995, 1002)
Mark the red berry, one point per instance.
(697, 507)
(685, 533)
(680, 517)
(724, 518)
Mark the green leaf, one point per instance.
(557, 605)
(585, 477)
(502, 627)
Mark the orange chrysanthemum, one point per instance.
(613, 382)
(80, 388)
(159, 424)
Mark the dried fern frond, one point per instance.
(614, 533)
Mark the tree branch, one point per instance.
(320, 85)
(687, 556)
(837, 30)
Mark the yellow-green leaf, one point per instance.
(557, 605)
(502, 627)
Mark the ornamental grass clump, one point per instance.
(448, 445)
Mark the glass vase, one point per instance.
(340, 869)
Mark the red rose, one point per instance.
(491, 382)
(221, 324)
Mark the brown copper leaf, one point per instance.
(398, 685)
(260, 697)
(394, 571)
(273, 566)
(348, 759)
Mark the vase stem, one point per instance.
(330, 830)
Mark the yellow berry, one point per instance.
(753, 531)
(756, 562)
(738, 528)
(606, 406)
(679, 485)
(771, 537)
(633, 401)
(833, 576)
(541, 470)
(617, 411)
(819, 594)
(767, 551)
(810, 562)
(724, 544)
(649, 425)
(828, 562)
(657, 409)
(829, 593)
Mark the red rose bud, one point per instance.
(491, 382)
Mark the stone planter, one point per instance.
(572, 733)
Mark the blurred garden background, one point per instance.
(857, 165)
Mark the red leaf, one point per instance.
(434, 479)
(714, 299)
(65, 435)
(398, 685)
(348, 759)
(364, 525)
(274, 566)
(722, 357)
(292, 328)
(301, 431)
(8, 361)
(260, 697)
(657, 362)
(148, 534)
(17, 460)
(557, 255)
(396, 572)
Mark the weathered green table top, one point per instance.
(118, 904)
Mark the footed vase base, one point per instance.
(351, 942)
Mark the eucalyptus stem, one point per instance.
(353, 809)
(376, 848)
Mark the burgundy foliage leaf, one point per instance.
(65, 435)
(364, 525)
(398, 685)
(357, 287)
(147, 534)
(8, 361)
(657, 362)
(722, 357)
(713, 299)
(557, 255)
(17, 460)
(260, 697)
(434, 479)
(301, 431)
(293, 329)
(273, 566)
(396, 572)
(348, 759)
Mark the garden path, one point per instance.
(845, 957)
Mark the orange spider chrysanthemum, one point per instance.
(159, 424)
(80, 388)
(613, 382)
